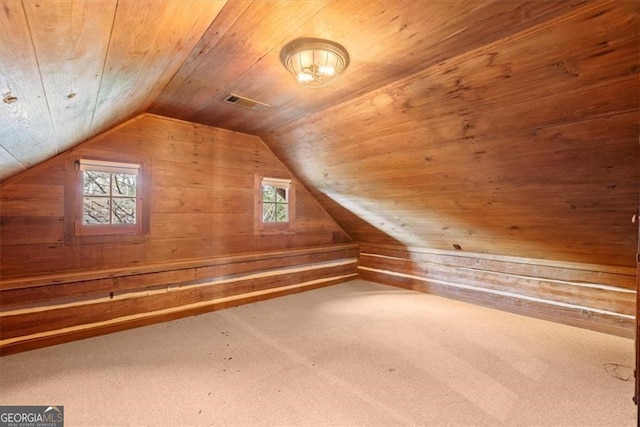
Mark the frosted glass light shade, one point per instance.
(314, 62)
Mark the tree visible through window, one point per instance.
(107, 200)
(109, 197)
(275, 201)
(274, 205)
(110, 201)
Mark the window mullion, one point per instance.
(111, 198)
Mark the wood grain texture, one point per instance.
(72, 69)
(526, 146)
(36, 341)
(25, 123)
(576, 294)
(75, 306)
(500, 128)
(201, 253)
(149, 41)
(388, 40)
(201, 205)
(29, 321)
(70, 39)
(503, 127)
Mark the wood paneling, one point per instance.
(58, 308)
(201, 247)
(386, 40)
(69, 57)
(149, 42)
(589, 296)
(202, 202)
(72, 69)
(502, 128)
(526, 146)
(25, 123)
(77, 68)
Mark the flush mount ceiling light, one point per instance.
(314, 62)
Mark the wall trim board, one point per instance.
(630, 271)
(524, 275)
(503, 293)
(81, 276)
(618, 325)
(64, 335)
(549, 269)
(578, 295)
(53, 313)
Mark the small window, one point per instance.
(275, 200)
(274, 207)
(105, 198)
(109, 193)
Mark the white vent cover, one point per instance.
(245, 102)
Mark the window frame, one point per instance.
(262, 227)
(78, 232)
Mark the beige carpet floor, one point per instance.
(357, 353)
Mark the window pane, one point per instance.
(124, 184)
(269, 212)
(124, 211)
(282, 213)
(281, 195)
(268, 193)
(96, 183)
(96, 210)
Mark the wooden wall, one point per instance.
(201, 247)
(523, 148)
(597, 297)
(526, 147)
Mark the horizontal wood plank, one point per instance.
(596, 297)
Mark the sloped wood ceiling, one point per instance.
(504, 127)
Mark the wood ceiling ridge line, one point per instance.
(197, 113)
(198, 51)
(281, 42)
(144, 107)
(554, 21)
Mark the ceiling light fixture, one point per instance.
(314, 62)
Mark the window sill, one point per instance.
(269, 231)
(105, 238)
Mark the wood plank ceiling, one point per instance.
(505, 127)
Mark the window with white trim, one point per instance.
(109, 193)
(275, 200)
(105, 198)
(275, 204)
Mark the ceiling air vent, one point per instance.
(244, 102)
